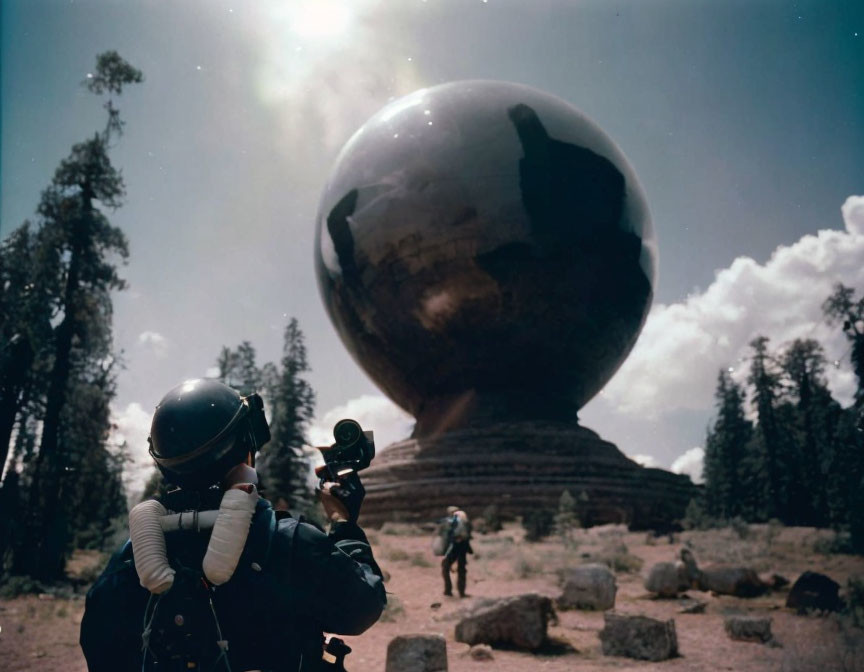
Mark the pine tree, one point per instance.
(80, 247)
(238, 369)
(28, 288)
(845, 474)
(817, 417)
(93, 494)
(841, 307)
(768, 443)
(284, 464)
(845, 487)
(289, 405)
(724, 449)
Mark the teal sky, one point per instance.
(744, 120)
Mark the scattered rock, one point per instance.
(724, 579)
(519, 621)
(435, 605)
(588, 587)
(693, 607)
(814, 592)
(417, 653)
(749, 629)
(481, 652)
(667, 579)
(46, 596)
(638, 637)
(777, 582)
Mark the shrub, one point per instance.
(566, 520)
(618, 558)
(838, 542)
(490, 519)
(538, 524)
(855, 600)
(697, 518)
(740, 527)
(15, 586)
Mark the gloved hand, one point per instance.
(342, 500)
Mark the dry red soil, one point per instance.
(41, 634)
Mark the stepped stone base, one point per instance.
(520, 466)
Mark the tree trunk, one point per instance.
(49, 541)
(11, 393)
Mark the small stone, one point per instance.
(693, 607)
(667, 579)
(417, 653)
(749, 629)
(638, 637)
(481, 652)
(590, 587)
(46, 596)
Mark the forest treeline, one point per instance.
(62, 479)
(781, 446)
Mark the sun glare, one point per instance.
(320, 19)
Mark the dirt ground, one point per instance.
(41, 633)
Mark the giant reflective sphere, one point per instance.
(485, 251)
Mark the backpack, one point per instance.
(443, 537)
(181, 629)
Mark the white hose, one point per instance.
(229, 534)
(148, 546)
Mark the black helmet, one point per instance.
(202, 428)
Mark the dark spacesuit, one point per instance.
(458, 548)
(272, 618)
(291, 583)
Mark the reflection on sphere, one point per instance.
(485, 250)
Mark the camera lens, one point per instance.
(347, 432)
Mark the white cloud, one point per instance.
(853, 214)
(690, 463)
(675, 362)
(645, 460)
(389, 422)
(154, 341)
(132, 426)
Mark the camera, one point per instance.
(351, 452)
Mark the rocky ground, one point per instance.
(40, 632)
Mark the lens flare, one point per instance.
(320, 19)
